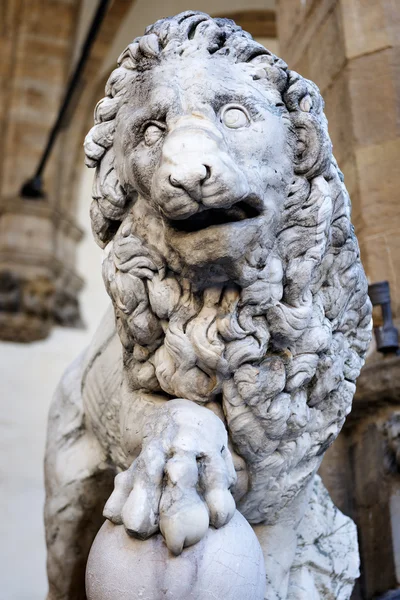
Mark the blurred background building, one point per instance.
(51, 292)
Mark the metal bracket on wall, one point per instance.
(386, 335)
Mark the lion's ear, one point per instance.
(99, 138)
(313, 148)
(110, 202)
(103, 229)
(101, 135)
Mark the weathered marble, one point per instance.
(242, 323)
(230, 559)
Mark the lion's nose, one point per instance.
(190, 178)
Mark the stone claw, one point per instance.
(181, 481)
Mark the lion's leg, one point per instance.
(326, 563)
(278, 543)
(78, 483)
(318, 559)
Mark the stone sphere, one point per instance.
(226, 564)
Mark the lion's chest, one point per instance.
(207, 339)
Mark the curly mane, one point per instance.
(282, 353)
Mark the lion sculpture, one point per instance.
(241, 315)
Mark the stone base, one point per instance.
(227, 564)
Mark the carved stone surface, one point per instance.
(242, 322)
(229, 557)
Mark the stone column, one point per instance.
(350, 48)
(38, 281)
(39, 41)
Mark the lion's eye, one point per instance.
(152, 134)
(234, 117)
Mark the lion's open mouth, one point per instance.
(215, 216)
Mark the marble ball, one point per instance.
(227, 564)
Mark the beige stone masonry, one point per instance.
(350, 48)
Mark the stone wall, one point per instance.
(351, 49)
(36, 42)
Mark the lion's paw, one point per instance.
(181, 481)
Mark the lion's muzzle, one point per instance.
(197, 174)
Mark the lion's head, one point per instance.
(230, 256)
